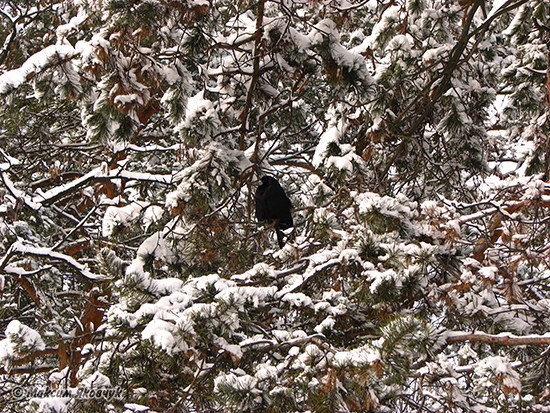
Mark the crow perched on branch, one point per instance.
(273, 206)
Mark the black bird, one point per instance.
(273, 206)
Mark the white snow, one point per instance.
(65, 29)
(18, 193)
(433, 55)
(357, 357)
(260, 270)
(164, 334)
(240, 295)
(49, 253)
(200, 110)
(19, 341)
(297, 300)
(135, 408)
(499, 367)
(96, 380)
(49, 404)
(326, 324)
(10, 161)
(497, 5)
(376, 278)
(341, 162)
(121, 216)
(152, 215)
(14, 78)
(240, 383)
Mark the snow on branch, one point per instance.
(9, 161)
(17, 193)
(270, 344)
(54, 194)
(18, 247)
(15, 78)
(505, 339)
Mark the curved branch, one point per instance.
(18, 247)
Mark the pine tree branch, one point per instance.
(505, 339)
(430, 96)
(97, 175)
(76, 228)
(19, 248)
(10, 39)
(28, 370)
(24, 282)
(243, 117)
(267, 345)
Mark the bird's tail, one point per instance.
(280, 236)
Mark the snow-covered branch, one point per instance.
(98, 174)
(39, 61)
(505, 339)
(20, 248)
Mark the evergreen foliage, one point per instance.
(411, 137)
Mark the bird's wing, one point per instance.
(261, 205)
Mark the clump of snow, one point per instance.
(266, 372)
(377, 278)
(65, 29)
(401, 42)
(155, 286)
(442, 367)
(135, 408)
(60, 378)
(325, 216)
(240, 295)
(357, 357)
(87, 349)
(388, 19)
(297, 300)
(331, 136)
(231, 382)
(212, 282)
(96, 380)
(207, 173)
(326, 324)
(343, 163)
(9, 161)
(310, 354)
(500, 370)
(201, 115)
(164, 335)
(435, 54)
(174, 198)
(152, 215)
(233, 349)
(489, 273)
(120, 216)
(19, 341)
(159, 248)
(325, 28)
(395, 207)
(170, 74)
(259, 270)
